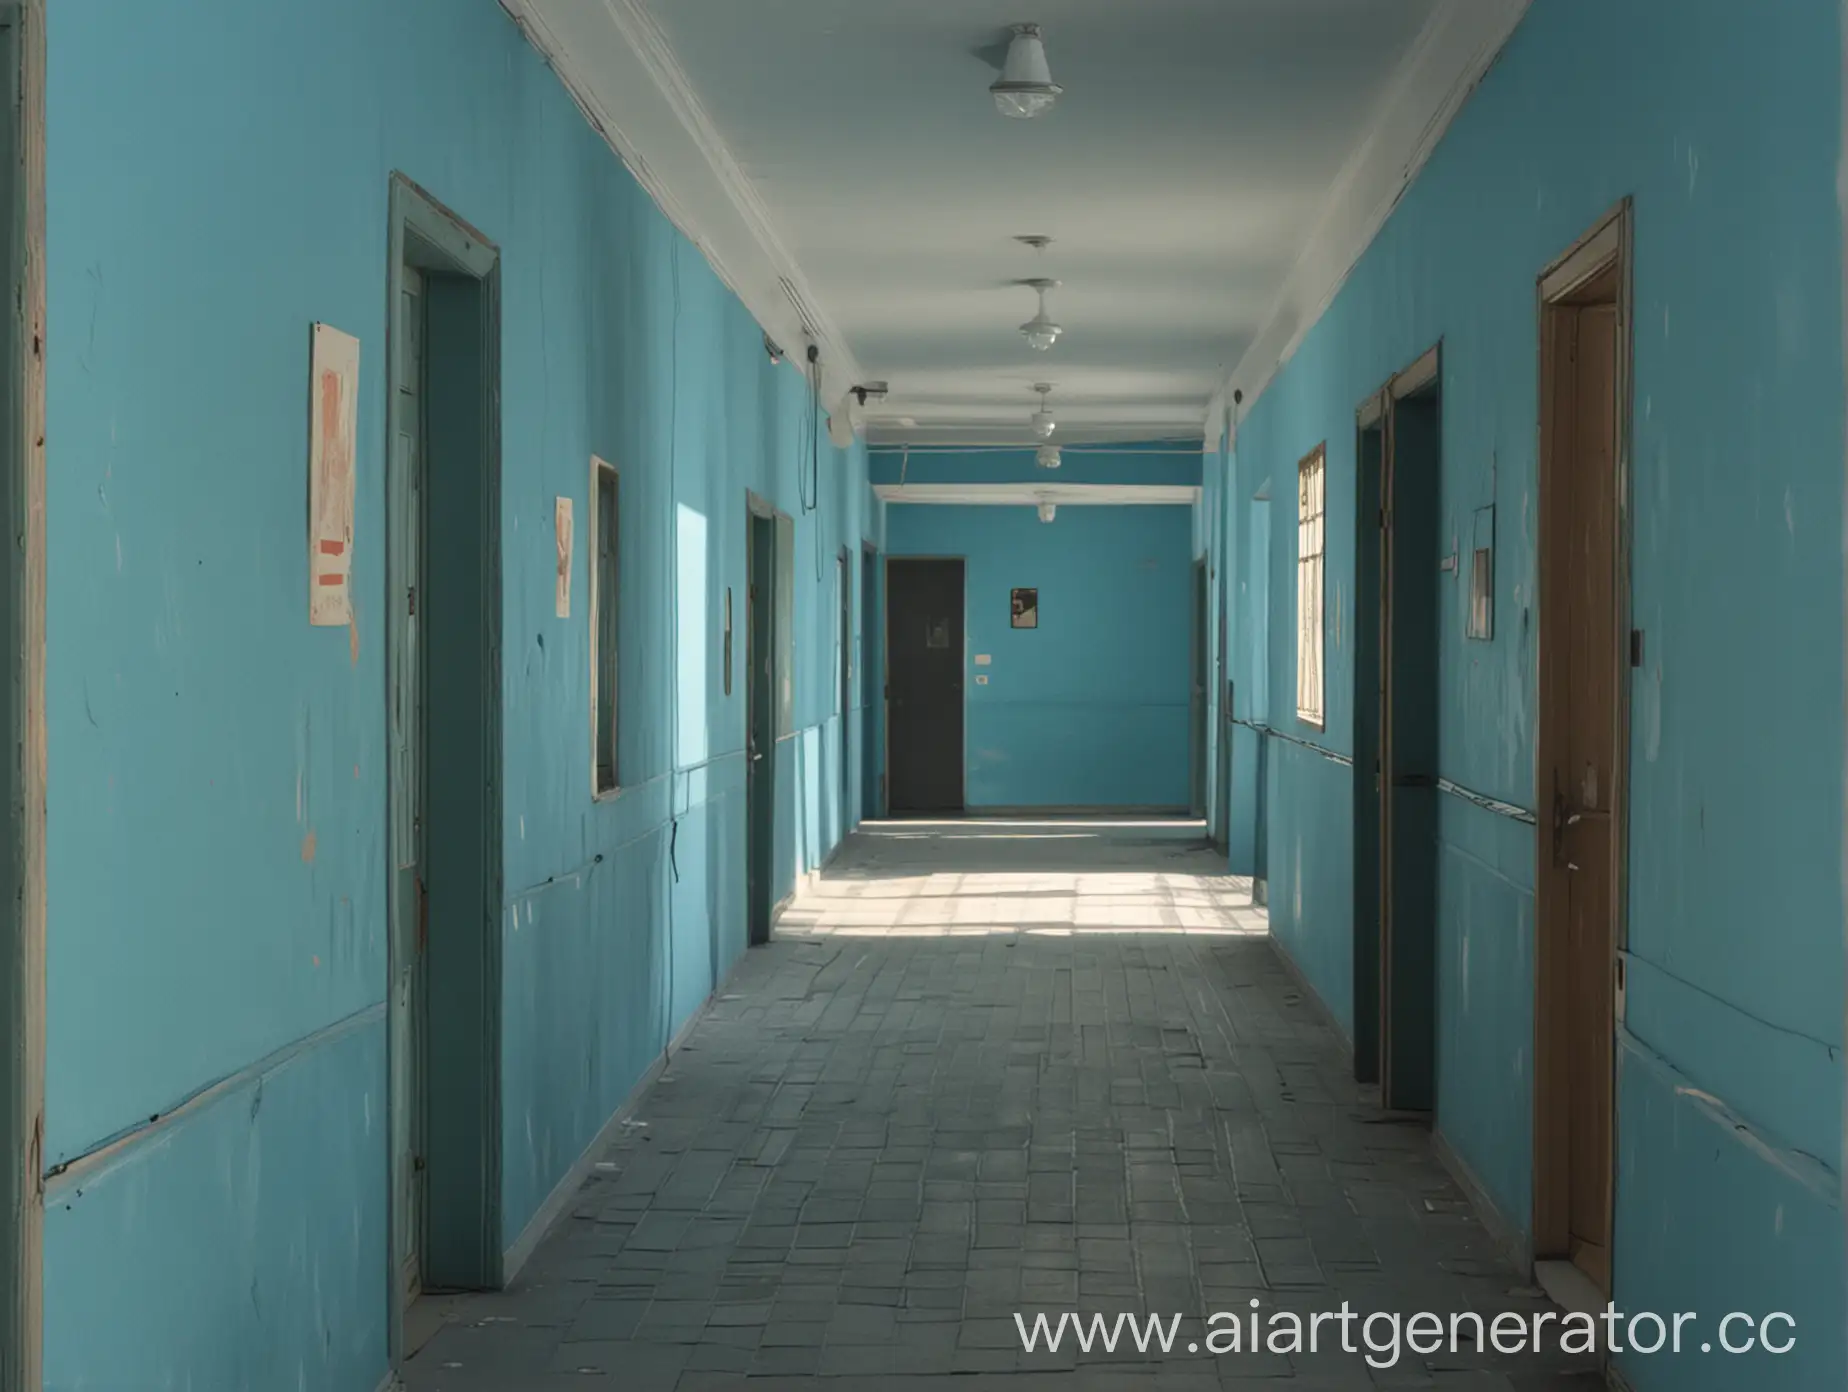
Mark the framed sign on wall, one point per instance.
(1025, 608)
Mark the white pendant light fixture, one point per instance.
(1025, 88)
(1043, 423)
(1048, 510)
(1048, 457)
(1042, 330)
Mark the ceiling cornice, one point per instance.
(1457, 46)
(1032, 494)
(884, 435)
(618, 66)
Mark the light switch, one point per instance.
(983, 659)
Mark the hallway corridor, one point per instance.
(988, 1068)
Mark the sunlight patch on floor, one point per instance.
(932, 879)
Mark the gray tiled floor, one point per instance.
(990, 1068)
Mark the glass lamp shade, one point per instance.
(1041, 332)
(1047, 511)
(1024, 103)
(1048, 457)
(1044, 424)
(1026, 88)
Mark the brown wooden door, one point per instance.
(1583, 778)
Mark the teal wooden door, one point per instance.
(405, 565)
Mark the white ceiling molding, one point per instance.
(617, 65)
(1178, 434)
(1459, 44)
(1030, 494)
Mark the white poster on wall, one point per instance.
(561, 524)
(333, 435)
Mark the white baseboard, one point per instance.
(1569, 1288)
(1509, 1239)
(574, 1178)
(1315, 1001)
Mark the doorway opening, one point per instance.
(872, 698)
(1582, 753)
(22, 617)
(924, 648)
(765, 562)
(444, 799)
(1399, 555)
(1369, 708)
(1197, 712)
(843, 816)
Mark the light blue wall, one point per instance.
(218, 178)
(1727, 136)
(1090, 709)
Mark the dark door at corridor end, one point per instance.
(924, 685)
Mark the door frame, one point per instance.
(22, 459)
(844, 568)
(468, 997)
(1607, 245)
(1220, 718)
(1199, 703)
(1377, 412)
(885, 614)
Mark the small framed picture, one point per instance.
(1025, 608)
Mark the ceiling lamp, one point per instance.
(1048, 510)
(1048, 457)
(1043, 423)
(1025, 88)
(1042, 330)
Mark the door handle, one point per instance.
(1566, 816)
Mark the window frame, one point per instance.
(1312, 572)
(600, 787)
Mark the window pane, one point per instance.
(1310, 520)
(605, 605)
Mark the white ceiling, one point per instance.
(1209, 176)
